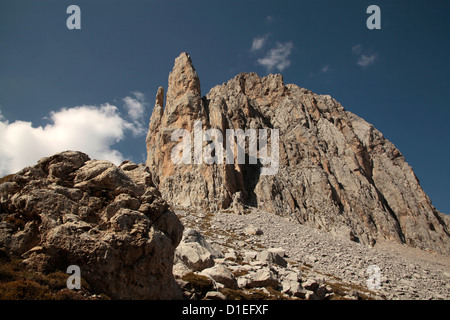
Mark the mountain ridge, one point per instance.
(342, 199)
(337, 172)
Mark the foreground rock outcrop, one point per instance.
(336, 171)
(108, 220)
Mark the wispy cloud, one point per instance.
(365, 58)
(277, 57)
(269, 19)
(259, 42)
(365, 61)
(357, 49)
(135, 107)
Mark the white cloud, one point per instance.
(357, 49)
(139, 95)
(90, 129)
(136, 109)
(270, 19)
(365, 61)
(259, 42)
(278, 57)
(365, 58)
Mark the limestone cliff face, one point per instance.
(197, 185)
(336, 171)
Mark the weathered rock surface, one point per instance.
(221, 274)
(264, 273)
(194, 252)
(319, 265)
(108, 220)
(318, 259)
(336, 171)
(272, 257)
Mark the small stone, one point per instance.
(311, 295)
(215, 295)
(252, 230)
(263, 278)
(272, 257)
(311, 285)
(221, 274)
(250, 256)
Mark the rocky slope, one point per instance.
(336, 172)
(110, 221)
(249, 253)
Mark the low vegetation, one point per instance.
(198, 283)
(18, 283)
(253, 294)
(7, 178)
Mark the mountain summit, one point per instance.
(286, 160)
(336, 171)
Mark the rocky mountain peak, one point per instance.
(269, 171)
(336, 171)
(269, 87)
(183, 79)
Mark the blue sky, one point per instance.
(94, 88)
